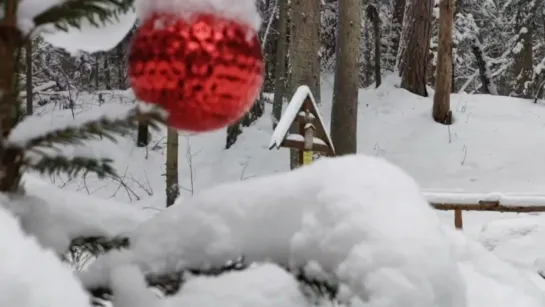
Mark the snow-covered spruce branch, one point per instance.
(73, 13)
(103, 127)
(170, 284)
(99, 245)
(56, 165)
(35, 145)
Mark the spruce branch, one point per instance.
(99, 245)
(171, 283)
(55, 165)
(104, 127)
(71, 13)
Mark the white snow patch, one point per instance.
(474, 198)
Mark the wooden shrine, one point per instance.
(302, 127)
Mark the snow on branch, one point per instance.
(171, 285)
(30, 138)
(66, 14)
(113, 120)
(349, 228)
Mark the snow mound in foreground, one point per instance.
(360, 218)
(31, 276)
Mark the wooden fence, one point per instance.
(493, 202)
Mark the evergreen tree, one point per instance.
(20, 153)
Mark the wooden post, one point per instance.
(308, 139)
(458, 222)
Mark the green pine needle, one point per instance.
(71, 13)
(56, 165)
(101, 128)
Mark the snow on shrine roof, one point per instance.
(290, 114)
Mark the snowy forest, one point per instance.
(103, 202)
(496, 48)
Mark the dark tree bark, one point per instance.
(143, 135)
(443, 86)
(172, 186)
(373, 16)
(399, 14)
(415, 56)
(28, 86)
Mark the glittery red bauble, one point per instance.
(205, 71)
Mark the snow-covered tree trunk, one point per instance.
(524, 54)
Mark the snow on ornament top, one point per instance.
(242, 11)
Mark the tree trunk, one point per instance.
(344, 114)
(415, 56)
(107, 75)
(28, 86)
(120, 57)
(142, 139)
(484, 69)
(10, 42)
(524, 59)
(399, 13)
(97, 71)
(280, 69)
(172, 186)
(304, 52)
(373, 16)
(443, 86)
(233, 132)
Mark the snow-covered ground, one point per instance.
(493, 147)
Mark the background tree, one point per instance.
(172, 186)
(30, 153)
(281, 55)
(441, 99)
(304, 51)
(344, 114)
(416, 54)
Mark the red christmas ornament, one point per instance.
(205, 71)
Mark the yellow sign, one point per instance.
(307, 157)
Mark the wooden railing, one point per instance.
(493, 202)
